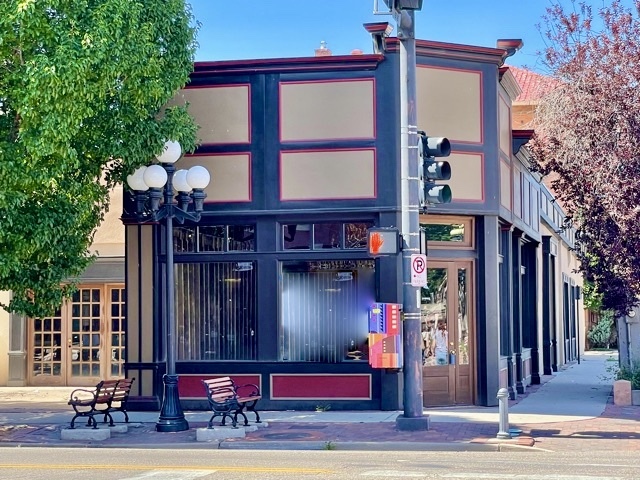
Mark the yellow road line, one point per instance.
(44, 466)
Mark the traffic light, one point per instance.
(404, 4)
(431, 169)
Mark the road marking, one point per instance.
(171, 475)
(392, 474)
(477, 476)
(525, 476)
(303, 471)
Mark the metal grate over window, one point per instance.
(324, 310)
(216, 311)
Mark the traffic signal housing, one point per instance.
(432, 170)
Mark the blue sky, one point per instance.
(245, 29)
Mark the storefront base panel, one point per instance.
(329, 388)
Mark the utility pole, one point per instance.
(413, 417)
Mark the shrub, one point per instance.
(600, 334)
(632, 374)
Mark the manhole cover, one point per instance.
(287, 436)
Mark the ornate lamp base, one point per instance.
(171, 414)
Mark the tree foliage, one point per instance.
(82, 89)
(588, 139)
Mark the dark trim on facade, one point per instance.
(296, 64)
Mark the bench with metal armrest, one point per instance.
(227, 399)
(107, 397)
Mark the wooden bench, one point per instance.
(227, 399)
(108, 396)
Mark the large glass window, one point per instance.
(320, 236)
(434, 313)
(448, 232)
(214, 238)
(324, 310)
(216, 311)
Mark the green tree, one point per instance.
(588, 138)
(82, 89)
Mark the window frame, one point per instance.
(468, 240)
(312, 234)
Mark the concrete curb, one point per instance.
(379, 446)
(298, 446)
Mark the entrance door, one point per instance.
(83, 342)
(447, 331)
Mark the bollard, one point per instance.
(503, 409)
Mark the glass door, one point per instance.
(83, 342)
(447, 333)
(46, 347)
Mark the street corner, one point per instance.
(521, 441)
(29, 434)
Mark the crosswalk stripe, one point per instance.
(478, 476)
(171, 475)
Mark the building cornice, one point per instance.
(297, 64)
(509, 83)
(452, 51)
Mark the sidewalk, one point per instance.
(570, 410)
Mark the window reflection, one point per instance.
(47, 343)
(296, 236)
(463, 318)
(319, 236)
(449, 232)
(355, 234)
(214, 238)
(324, 314)
(327, 235)
(435, 335)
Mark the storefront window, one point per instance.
(327, 235)
(184, 239)
(296, 236)
(216, 311)
(435, 328)
(214, 238)
(355, 234)
(320, 236)
(324, 310)
(450, 232)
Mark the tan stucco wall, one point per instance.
(341, 109)
(522, 116)
(108, 240)
(230, 175)
(455, 110)
(222, 112)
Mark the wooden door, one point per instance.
(447, 330)
(83, 342)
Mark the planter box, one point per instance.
(635, 397)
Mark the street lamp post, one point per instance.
(155, 199)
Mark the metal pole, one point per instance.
(171, 415)
(503, 408)
(412, 418)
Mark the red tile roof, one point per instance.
(532, 84)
